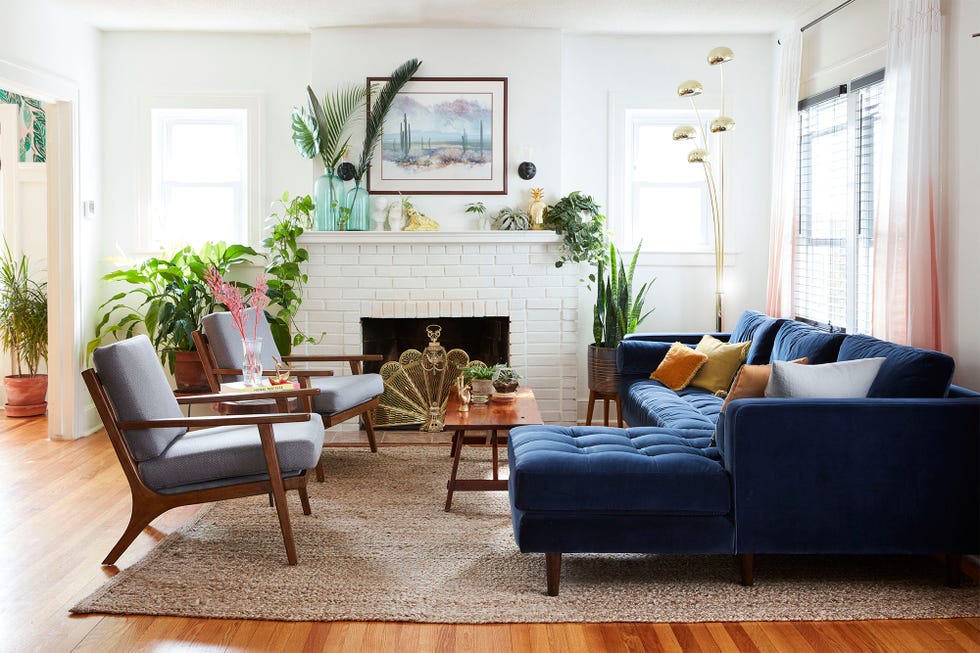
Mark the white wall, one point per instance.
(961, 191)
(54, 56)
(137, 65)
(844, 46)
(530, 59)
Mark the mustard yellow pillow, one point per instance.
(724, 359)
(679, 366)
(751, 382)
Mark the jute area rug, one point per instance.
(379, 547)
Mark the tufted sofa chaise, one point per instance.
(896, 472)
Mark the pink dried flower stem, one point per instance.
(231, 296)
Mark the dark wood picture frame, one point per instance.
(440, 167)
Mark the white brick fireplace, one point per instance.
(453, 274)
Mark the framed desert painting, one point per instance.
(443, 135)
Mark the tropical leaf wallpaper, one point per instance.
(31, 128)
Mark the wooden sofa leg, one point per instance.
(552, 564)
(747, 567)
(953, 562)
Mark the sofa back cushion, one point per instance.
(761, 330)
(907, 371)
(797, 340)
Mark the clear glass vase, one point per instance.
(358, 201)
(328, 195)
(252, 361)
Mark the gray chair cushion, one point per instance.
(138, 390)
(233, 451)
(226, 341)
(338, 393)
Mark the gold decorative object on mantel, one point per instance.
(414, 385)
(691, 89)
(536, 209)
(415, 220)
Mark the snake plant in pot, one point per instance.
(23, 333)
(617, 312)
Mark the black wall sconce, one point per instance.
(527, 170)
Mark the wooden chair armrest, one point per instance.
(338, 358)
(216, 420)
(247, 396)
(230, 372)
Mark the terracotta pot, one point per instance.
(603, 377)
(25, 394)
(189, 373)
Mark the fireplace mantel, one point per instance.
(428, 237)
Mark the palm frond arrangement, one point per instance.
(319, 129)
(378, 109)
(617, 312)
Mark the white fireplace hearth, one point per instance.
(452, 274)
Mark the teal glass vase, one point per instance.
(358, 201)
(328, 197)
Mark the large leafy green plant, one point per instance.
(378, 109)
(319, 129)
(617, 311)
(168, 297)
(23, 313)
(284, 267)
(580, 223)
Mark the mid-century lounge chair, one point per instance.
(168, 465)
(341, 397)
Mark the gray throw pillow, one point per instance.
(842, 380)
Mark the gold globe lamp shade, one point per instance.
(721, 124)
(720, 55)
(684, 133)
(690, 88)
(697, 155)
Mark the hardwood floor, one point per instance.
(65, 503)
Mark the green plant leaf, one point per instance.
(379, 110)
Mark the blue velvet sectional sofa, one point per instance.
(896, 472)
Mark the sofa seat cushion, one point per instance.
(906, 372)
(231, 452)
(603, 470)
(650, 403)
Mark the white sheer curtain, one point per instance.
(784, 161)
(906, 290)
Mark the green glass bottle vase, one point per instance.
(358, 201)
(328, 198)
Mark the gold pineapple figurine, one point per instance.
(536, 209)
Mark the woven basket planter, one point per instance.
(602, 370)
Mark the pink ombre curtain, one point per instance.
(782, 212)
(906, 298)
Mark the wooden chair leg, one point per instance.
(139, 519)
(304, 499)
(747, 568)
(953, 562)
(278, 490)
(369, 427)
(552, 565)
(319, 470)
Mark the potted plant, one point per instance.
(24, 333)
(505, 379)
(578, 220)
(480, 378)
(616, 312)
(168, 297)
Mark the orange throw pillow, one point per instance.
(679, 366)
(751, 381)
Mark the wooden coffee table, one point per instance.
(494, 416)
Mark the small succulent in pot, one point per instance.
(505, 378)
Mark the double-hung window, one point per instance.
(666, 201)
(840, 147)
(202, 171)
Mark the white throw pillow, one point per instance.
(846, 379)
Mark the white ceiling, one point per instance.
(614, 16)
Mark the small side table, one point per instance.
(606, 398)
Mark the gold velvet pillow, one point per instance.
(679, 366)
(751, 382)
(724, 359)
